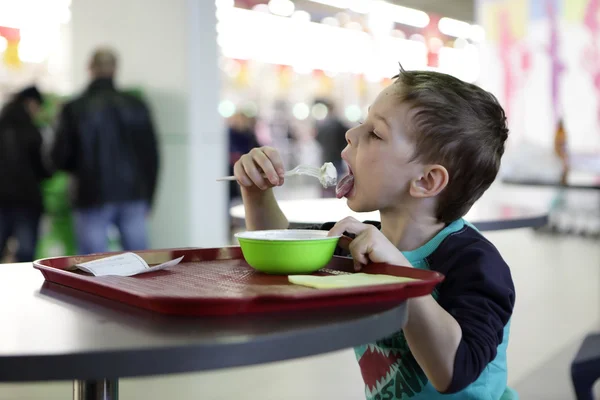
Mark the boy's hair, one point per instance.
(457, 125)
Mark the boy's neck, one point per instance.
(408, 231)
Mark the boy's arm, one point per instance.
(433, 336)
(257, 173)
(262, 211)
(455, 338)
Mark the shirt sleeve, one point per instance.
(479, 293)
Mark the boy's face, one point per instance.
(379, 154)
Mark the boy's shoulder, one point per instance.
(467, 253)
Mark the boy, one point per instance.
(430, 147)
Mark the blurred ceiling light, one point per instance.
(417, 38)
(343, 17)
(354, 26)
(330, 21)
(343, 4)
(248, 35)
(406, 16)
(301, 111)
(301, 15)
(226, 108)
(319, 111)
(454, 27)
(353, 113)
(379, 22)
(283, 8)
(461, 29)
(460, 43)
(402, 15)
(397, 33)
(360, 6)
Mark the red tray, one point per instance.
(219, 282)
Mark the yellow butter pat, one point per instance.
(346, 281)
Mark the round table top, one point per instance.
(51, 332)
(577, 182)
(485, 215)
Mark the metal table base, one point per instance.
(107, 389)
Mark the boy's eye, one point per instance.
(373, 135)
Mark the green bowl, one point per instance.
(287, 251)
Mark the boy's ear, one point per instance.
(432, 181)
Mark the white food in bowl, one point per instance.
(285, 235)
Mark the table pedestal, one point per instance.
(107, 389)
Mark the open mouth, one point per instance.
(345, 185)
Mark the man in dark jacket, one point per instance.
(106, 140)
(21, 173)
(331, 135)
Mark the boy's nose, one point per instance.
(350, 135)
(345, 153)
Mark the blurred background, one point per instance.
(220, 77)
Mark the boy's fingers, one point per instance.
(350, 225)
(276, 160)
(251, 170)
(265, 165)
(357, 266)
(344, 242)
(240, 174)
(360, 248)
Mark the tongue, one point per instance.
(344, 186)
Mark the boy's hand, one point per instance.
(370, 245)
(261, 168)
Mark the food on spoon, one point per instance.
(328, 175)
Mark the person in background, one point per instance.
(562, 151)
(331, 136)
(21, 173)
(106, 140)
(242, 139)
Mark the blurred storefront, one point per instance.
(269, 60)
(542, 59)
(34, 45)
(278, 56)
